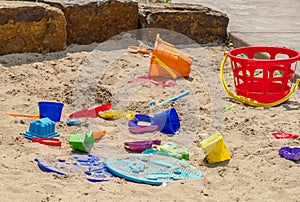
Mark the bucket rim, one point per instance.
(50, 103)
(232, 54)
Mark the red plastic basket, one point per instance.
(265, 80)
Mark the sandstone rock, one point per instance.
(199, 23)
(91, 21)
(31, 27)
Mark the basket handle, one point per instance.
(250, 101)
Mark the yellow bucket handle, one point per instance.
(250, 101)
(163, 65)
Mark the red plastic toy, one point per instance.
(91, 113)
(282, 135)
(47, 141)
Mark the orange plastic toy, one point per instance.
(99, 134)
(167, 61)
(24, 115)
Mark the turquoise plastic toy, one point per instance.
(43, 128)
(151, 169)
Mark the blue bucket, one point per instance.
(52, 110)
(167, 121)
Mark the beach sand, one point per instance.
(87, 76)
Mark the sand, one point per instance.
(87, 76)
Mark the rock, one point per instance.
(90, 21)
(31, 27)
(197, 22)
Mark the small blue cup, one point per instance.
(167, 121)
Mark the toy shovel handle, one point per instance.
(175, 98)
(24, 115)
(135, 49)
(250, 101)
(47, 141)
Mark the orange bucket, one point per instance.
(167, 61)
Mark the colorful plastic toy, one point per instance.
(172, 150)
(99, 134)
(135, 49)
(215, 148)
(46, 168)
(167, 122)
(47, 141)
(31, 116)
(73, 122)
(117, 114)
(171, 99)
(151, 169)
(155, 152)
(43, 128)
(231, 107)
(83, 142)
(167, 61)
(142, 129)
(290, 153)
(140, 146)
(92, 166)
(91, 113)
(261, 82)
(281, 135)
(52, 110)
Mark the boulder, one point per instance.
(90, 21)
(31, 27)
(197, 22)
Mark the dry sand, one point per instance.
(76, 77)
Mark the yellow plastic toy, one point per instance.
(215, 148)
(117, 114)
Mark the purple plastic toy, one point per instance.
(140, 146)
(142, 129)
(290, 153)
